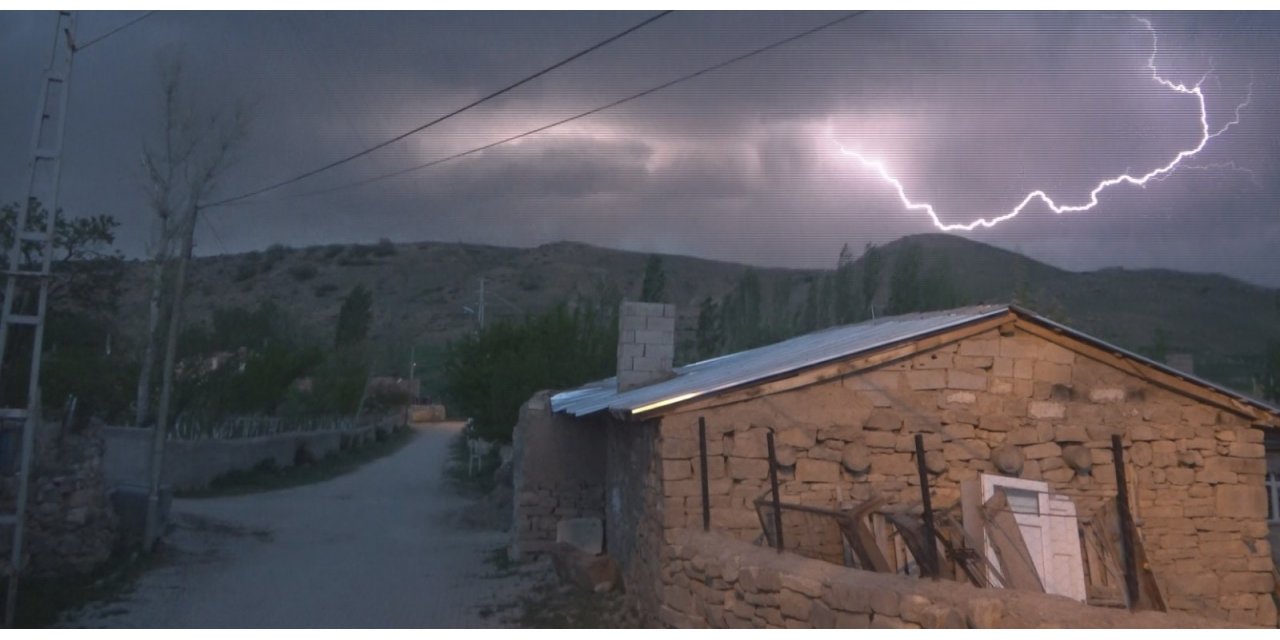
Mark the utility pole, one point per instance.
(26, 292)
(152, 528)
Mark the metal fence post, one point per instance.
(773, 484)
(702, 458)
(930, 543)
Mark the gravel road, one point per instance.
(379, 547)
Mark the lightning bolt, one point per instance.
(1157, 174)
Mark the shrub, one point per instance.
(325, 289)
(384, 248)
(303, 272)
(332, 251)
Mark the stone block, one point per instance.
(973, 379)
(925, 379)
(799, 437)
(817, 471)
(880, 439)
(853, 620)
(975, 347)
(1070, 433)
(1106, 395)
(884, 603)
(1051, 372)
(1248, 582)
(984, 613)
(583, 534)
(1044, 450)
(911, 607)
(794, 605)
(1042, 410)
(941, 617)
(959, 397)
(996, 422)
(1240, 501)
(884, 420)
(677, 469)
(856, 459)
(748, 468)
(848, 598)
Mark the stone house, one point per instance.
(998, 394)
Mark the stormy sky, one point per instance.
(970, 112)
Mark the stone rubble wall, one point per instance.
(558, 471)
(713, 580)
(1196, 472)
(71, 528)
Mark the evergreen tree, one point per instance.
(655, 281)
(846, 306)
(354, 317)
(709, 334)
(904, 283)
(872, 265)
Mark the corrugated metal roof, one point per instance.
(717, 374)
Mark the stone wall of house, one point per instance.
(70, 525)
(717, 581)
(1196, 472)
(558, 471)
(633, 533)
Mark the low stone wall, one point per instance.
(194, 464)
(420, 413)
(558, 468)
(715, 580)
(71, 528)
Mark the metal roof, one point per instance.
(744, 367)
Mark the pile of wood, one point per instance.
(986, 548)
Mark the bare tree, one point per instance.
(183, 169)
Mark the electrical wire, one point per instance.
(81, 47)
(635, 96)
(490, 96)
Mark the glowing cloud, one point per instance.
(1156, 174)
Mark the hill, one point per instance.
(421, 293)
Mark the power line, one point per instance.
(455, 112)
(584, 114)
(82, 47)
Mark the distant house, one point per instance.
(1003, 399)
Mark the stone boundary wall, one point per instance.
(714, 580)
(1196, 472)
(558, 471)
(71, 527)
(193, 464)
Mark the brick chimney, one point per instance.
(646, 343)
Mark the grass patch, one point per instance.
(268, 477)
(42, 600)
(571, 608)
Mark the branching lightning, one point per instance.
(1157, 174)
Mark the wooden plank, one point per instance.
(863, 544)
(911, 529)
(1005, 537)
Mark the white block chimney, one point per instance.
(646, 343)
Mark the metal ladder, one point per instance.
(26, 291)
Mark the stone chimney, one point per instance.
(646, 343)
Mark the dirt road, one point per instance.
(379, 547)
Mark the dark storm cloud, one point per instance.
(970, 111)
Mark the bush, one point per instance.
(303, 272)
(384, 248)
(322, 290)
(332, 251)
(245, 270)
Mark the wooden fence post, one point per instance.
(1126, 523)
(702, 458)
(773, 484)
(930, 541)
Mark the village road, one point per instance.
(378, 547)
